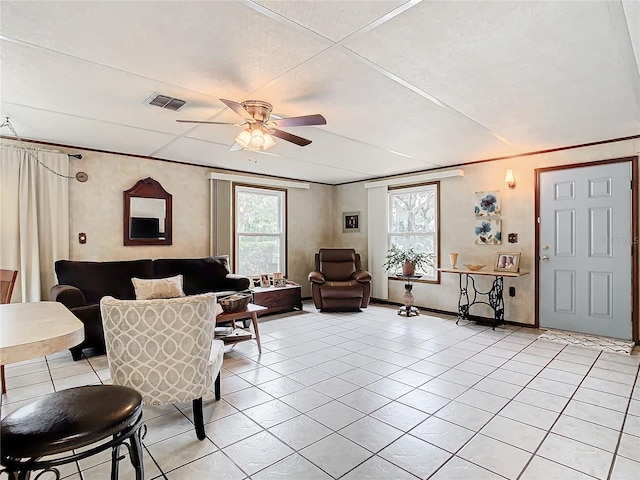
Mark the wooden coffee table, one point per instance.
(250, 312)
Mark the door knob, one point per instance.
(545, 258)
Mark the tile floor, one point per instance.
(373, 395)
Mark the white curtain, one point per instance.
(378, 225)
(34, 219)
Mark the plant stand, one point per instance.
(408, 310)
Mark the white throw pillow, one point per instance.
(152, 288)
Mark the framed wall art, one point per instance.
(351, 221)
(487, 204)
(488, 232)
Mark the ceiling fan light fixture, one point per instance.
(244, 138)
(257, 139)
(268, 141)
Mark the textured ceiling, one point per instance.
(404, 86)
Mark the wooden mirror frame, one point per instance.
(147, 188)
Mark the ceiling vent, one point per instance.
(165, 101)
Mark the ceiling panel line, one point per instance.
(422, 93)
(383, 19)
(22, 43)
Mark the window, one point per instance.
(413, 221)
(260, 230)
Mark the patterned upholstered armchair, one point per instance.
(165, 349)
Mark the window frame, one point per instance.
(282, 193)
(436, 232)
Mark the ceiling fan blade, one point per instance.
(196, 121)
(290, 137)
(316, 119)
(235, 147)
(239, 109)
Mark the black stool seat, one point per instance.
(67, 420)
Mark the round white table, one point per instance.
(35, 329)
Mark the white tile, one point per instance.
(593, 413)
(629, 446)
(371, 433)
(464, 415)
(514, 433)
(364, 400)
(410, 377)
(335, 454)
(444, 388)
(305, 399)
(334, 387)
(300, 432)
(624, 468)
(259, 375)
(443, 434)
(577, 455)
(271, 413)
(257, 452)
(415, 455)
(604, 399)
(281, 386)
(539, 398)
(498, 387)
(293, 467)
(216, 465)
(377, 468)
(180, 449)
(335, 415)
(231, 429)
(558, 388)
(542, 469)
(529, 414)
(495, 456)
(166, 426)
(309, 376)
(460, 469)
(462, 378)
(509, 376)
(425, 401)
(483, 400)
(389, 388)
(587, 432)
(359, 377)
(400, 416)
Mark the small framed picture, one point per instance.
(255, 281)
(350, 221)
(264, 280)
(277, 275)
(507, 262)
(279, 282)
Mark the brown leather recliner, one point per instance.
(338, 282)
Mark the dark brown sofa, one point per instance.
(81, 285)
(338, 281)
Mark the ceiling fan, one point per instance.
(258, 135)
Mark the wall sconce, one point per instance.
(510, 180)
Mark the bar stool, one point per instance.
(68, 420)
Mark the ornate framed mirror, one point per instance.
(147, 217)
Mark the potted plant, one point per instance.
(409, 259)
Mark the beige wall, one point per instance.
(457, 225)
(315, 217)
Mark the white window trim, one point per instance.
(435, 186)
(282, 196)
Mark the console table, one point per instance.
(469, 293)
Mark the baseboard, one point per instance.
(475, 318)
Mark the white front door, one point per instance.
(585, 258)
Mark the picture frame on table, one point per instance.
(279, 282)
(264, 280)
(255, 281)
(507, 262)
(350, 222)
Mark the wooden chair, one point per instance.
(7, 282)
